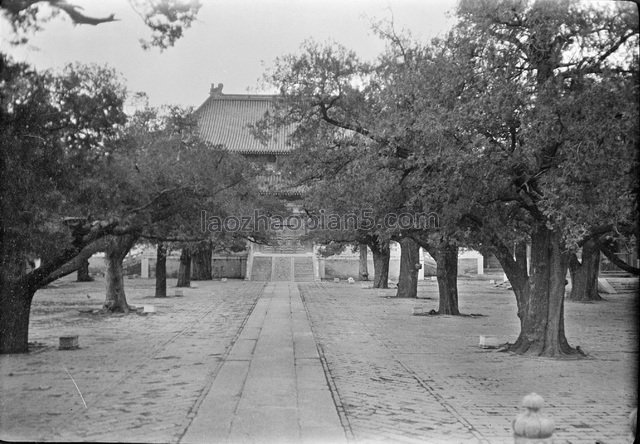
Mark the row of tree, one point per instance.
(519, 128)
(80, 176)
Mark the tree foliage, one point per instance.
(549, 102)
(55, 134)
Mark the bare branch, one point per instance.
(78, 17)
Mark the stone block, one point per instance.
(488, 341)
(69, 342)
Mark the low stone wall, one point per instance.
(229, 267)
(173, 264)
(467, 266)
(343, 268)
(98, 267)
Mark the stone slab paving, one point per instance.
(142, 377)
(271, 387)
(404, 378)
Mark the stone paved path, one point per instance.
(405, 378)
(272, 387)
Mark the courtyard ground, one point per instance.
(243, 361)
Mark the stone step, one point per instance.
(303, 269)
(624, 285)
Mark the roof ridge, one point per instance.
(244, 97)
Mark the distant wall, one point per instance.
(467, 266)
(97, 266)
(232, 267)
(173, 264)
(344, 267)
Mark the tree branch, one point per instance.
(159, 238)
(595, 62)
(616, 260)
(76, 262)
(355, 128)
(78, 17)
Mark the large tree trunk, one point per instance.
(381, 256)
(18, 285)
(446, 257)
(409, 266)
(201, 262)
(15, 306)
(542, 312)
(117, 249)
(83, 272)
(363, 271)
(184, 272)
(584, 273)
(161, 271)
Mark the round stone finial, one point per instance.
(533, 401)
(531, 424)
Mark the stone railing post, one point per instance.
(532, 426)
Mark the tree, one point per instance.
(201, 261)
(409, 267)
(361, 116)
(161, 270)
(162, 172)
(72, 178)
(83, 272)
(542, 125)
(410, 79)
(117, 249)
(346, 145)
(584, 273)
(346, 195)
(53, 135)
(167, 19)
(445, 253)
(363, 271)
(184, 270)
(352, 208)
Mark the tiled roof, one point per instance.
(224, 120)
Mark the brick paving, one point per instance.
(394, 377)
(142, 377)
(405, 378)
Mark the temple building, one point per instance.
(224, 119)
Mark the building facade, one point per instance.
(225, 119)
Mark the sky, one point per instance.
(232, 42)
